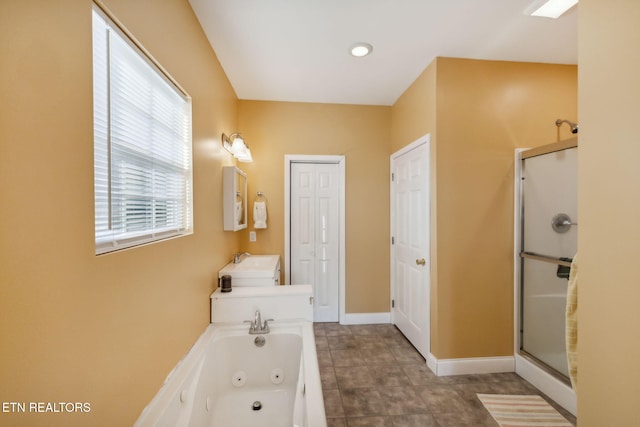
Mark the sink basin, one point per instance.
(254, 270)
(257, 263)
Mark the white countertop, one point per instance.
(252, 266)
(264, 291)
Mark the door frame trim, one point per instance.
(318, 159)
(423, 140)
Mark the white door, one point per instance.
(314, 234)
(410, 242)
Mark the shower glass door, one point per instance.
(549, 242)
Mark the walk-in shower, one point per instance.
(546, 241)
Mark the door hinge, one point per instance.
(393, 240)
(393, 176)
(393, 303)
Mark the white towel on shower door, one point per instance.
(259, 215)
(571, 326)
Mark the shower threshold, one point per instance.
(548, 369)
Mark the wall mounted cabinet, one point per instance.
(234, 195)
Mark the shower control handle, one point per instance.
(421, 261)
(561, 223)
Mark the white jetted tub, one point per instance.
(231, 378)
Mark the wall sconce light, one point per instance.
(235, 145)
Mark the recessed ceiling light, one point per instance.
(361, 49)
(554, 8)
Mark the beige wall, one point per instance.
(484, 110)
(609, 208)
(414, 113)
(361, 134)
(76, 327)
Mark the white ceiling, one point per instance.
(297, 50)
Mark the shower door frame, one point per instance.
(526, 366)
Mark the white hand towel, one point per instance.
(259, 215)
(571, 326)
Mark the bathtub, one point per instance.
(226, 380)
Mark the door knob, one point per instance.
(421, 261)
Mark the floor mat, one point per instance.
(522, 411)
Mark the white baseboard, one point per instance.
(548, 384)
(432, 363)
(474, 365)
(365, 318)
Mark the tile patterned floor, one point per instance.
(372, 376)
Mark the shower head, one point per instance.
(574, 126)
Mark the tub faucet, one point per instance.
(257, 327)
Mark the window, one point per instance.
(142, 144)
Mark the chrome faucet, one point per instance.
(257, 327)
(237, 257)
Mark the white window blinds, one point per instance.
(142, 145)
